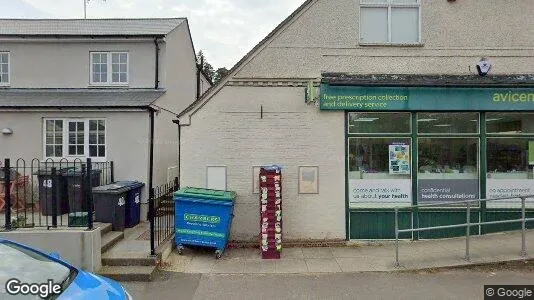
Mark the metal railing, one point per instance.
(49, 193)
(161, 213)
(468, 224)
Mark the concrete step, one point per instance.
(128, 261)
(110, 239)
(128, 273)
(104, 228)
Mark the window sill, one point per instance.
(4, 85)
(392, 45)
(109, 85)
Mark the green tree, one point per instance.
(205, 67)
(220, 74)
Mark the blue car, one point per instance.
(27, 273)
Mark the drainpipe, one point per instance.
(156, 83)
(198, 80)
(200, 66)
(151, 160)
(177, 122)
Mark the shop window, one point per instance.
(508, 158)
(370, 158)
(448, 170)
(447, 123)
(390, 21)
(509, 123)
(389, 123)
(448, 158)
(510, 171)
(379, 172)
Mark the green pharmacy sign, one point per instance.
(337, 97)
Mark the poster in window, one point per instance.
(399, 159)
(308, 180)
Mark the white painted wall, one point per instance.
(127, 138)
(228, 131)
(178, 77)
(67, 64)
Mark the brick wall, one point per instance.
(229, 131)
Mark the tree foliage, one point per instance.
(205, 67)
(219, 74)
(213, 76)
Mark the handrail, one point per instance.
(463, 201)
(467, 225)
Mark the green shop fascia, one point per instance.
(428, 139)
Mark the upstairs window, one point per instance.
(390, 21)
(4, 68)
(109, 68)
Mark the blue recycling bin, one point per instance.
(203, 217)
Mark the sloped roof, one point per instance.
(208, 94)
(97, 98)
(88, 27)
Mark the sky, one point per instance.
(225, 30)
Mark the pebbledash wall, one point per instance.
(258, 115)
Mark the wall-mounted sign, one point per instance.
(380, 191)
(334, 97)
(399, 159)
(505, 188)
(447, 190)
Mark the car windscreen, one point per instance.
(28, 267)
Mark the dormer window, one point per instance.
(109, 68)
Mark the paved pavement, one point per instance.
(356, 258)
(408, 285)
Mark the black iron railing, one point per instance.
(161, 214)
(50, 193)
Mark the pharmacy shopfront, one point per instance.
(426, 144)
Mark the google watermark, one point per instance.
(44, 290)
(508, 292)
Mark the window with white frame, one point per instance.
(109, 68)
(4, 68)
(75, 138)
(390, 21)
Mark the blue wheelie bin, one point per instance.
(133, 204)
(203, 218)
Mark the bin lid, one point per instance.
(47, 170)
(200, 193)
(118, 187)
(75, 171)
